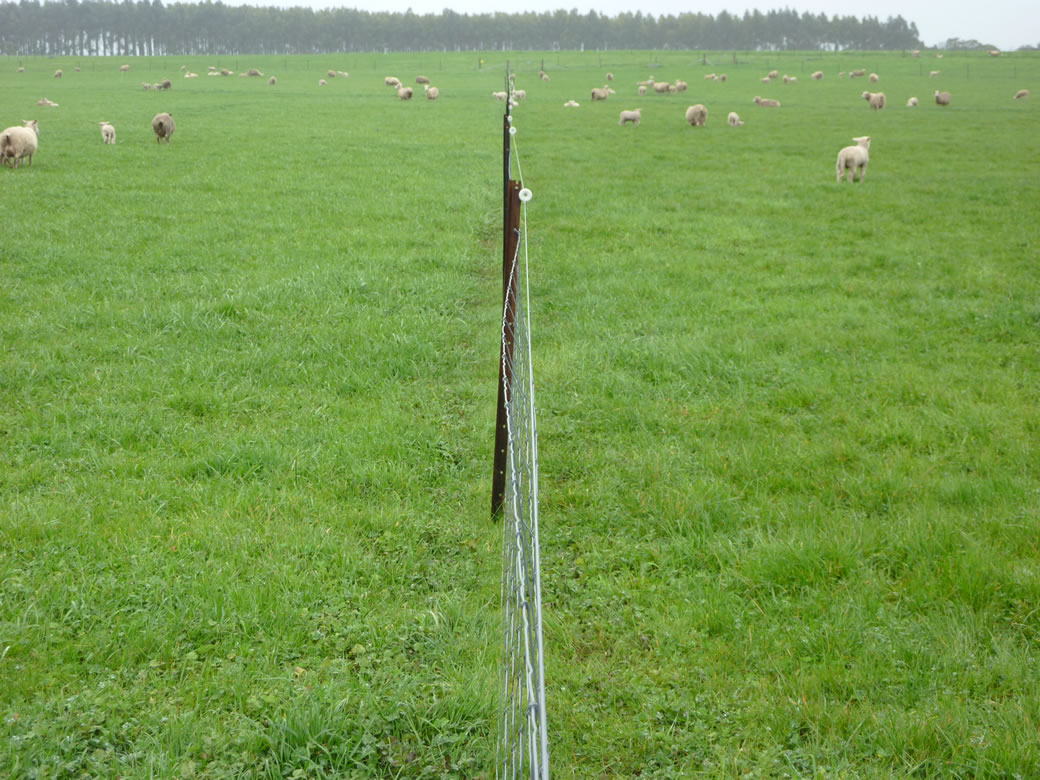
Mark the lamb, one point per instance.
(163, 127)
(876, 100)
(790, 79)
(543, 75)
(629, 116)
(857, 73)
(1022, 93)
(322, 82)
(57, 73)
(272, 81)
(422, 80)
(722, 77)
(942, 98)
(499, 95)
(108, 133)
(773, 74)
(600, 93)
(21, 69)
(710, 77)
(19, 143)
(911, 102)
(661, 87)
(697, 115)
(571, 104)
(331, 74)
(817, 75)
(734, 120)
(681, 86)
(933, 73)
(765, 79)
(610, 77)
(146, 85)
(520, 94)
(432, 93)
(254, 72)
(767, 102)
(853, 158)
(874, 78)
(392, 81)
(405, 93)
(642, 89)
(124, 68)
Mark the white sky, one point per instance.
(1007, 24)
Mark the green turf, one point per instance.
(789, 431)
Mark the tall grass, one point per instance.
(788, 428)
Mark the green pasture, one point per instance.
(789, 429)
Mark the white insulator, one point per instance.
(525, 195)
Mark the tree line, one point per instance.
(150, 28)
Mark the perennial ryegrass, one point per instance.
(790, 485)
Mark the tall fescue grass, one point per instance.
(788, 428)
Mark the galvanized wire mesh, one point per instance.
(523, 741)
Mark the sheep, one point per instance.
(629, 116)
(790, 79)
(331, 74)
(765, 79)
(681, 86)
(19, 143)
(499, 95)
(766, 102)
(942, 98)
(933, 73)
(191, 75)
(911, 102)
(46, 102)
(571, 104)
(734, 120)
(994, 52)
(915, 53)
(773, 74)
(146, 85)
(405, 93)
(610, 77)
(874, 78)
(163, 127)
(272, 81)
(697, 115)
(723, 77)
(875, 99)
(642, 89)
(322, 82)
(254, 72)
(343, 73)
(422, 80)
(108, 133)
(392, 81)
(817, 75)
(520, 94)
(661, 87)
(672, 89)
(1022, 93)
(21, 69)
(165, 84)
(225, 72)
(432, 93)
(543, 75)
(853, 158)
(710, 77)
(853, 74)
(124, 68)
(57, 73)
(600, 93)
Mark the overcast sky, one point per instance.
(1004, 23)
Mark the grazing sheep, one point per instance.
(432, 93)
(853, 158)
(874, 78)
(911, 102)
(392, 81)
(499, 96)
(841, 74)
(165, 84)
(942, 98)
(253, 72)
(191, 75)
(46, 102)
(915, 53)
(765, 79)
(272, 81)
(225, 72)
(875, 99)
(19, 143)
(661, 87)
(343, 73)
(571, 104)
(767, 102)
(734, 120)
(773, 74)
(57, 73)
(124, 68)
(790, 79)
(854, 74)
(322, 82)
(163, 127)
(933, 73)
(108, 133)
(710, 77)
(723, 77)
(697, 115)
(610, 77)
(519, 94)
(1022, 93)
(422, 80)
(629, 116)
(21, 69)
(146, 85)
(938, 56)
(681, 86)
(994, 52)
(817, 75)
(600, 93)
(405, 93)
(543, 75)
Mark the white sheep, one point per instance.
(322, 82)
(697, 115)
(994, 52)
(911, 102)
(422, 80)
(942, 98)
(734, 120)
(661, 87)
(853, 74)
(254, 72)
(642, 89)
(790, 79)
(681, 86)
(853, 158)
(765, 79)
(610, 77)
(933, 73)
(766, 102)
(57, 73)
(875, 99)
(723, 77)
(711, 77)
(519, 94)
(1022, 93)
(599, 93)
(499, 96)
(19, 143)
(124, 68)
(629, 116)
(392, 81)
(46, 102)
(874, 78)
(817, 75)
(108, 133)
(543, 75)
(432, 93)
(405, 93)
(571, 104)
(773, 74)
(272, 81)
(21, 69)
(915, 53)
(331, 74)
(163, 127)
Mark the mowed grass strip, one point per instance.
(788, 427)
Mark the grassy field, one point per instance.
(790, 442)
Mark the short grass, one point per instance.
(789, 431)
